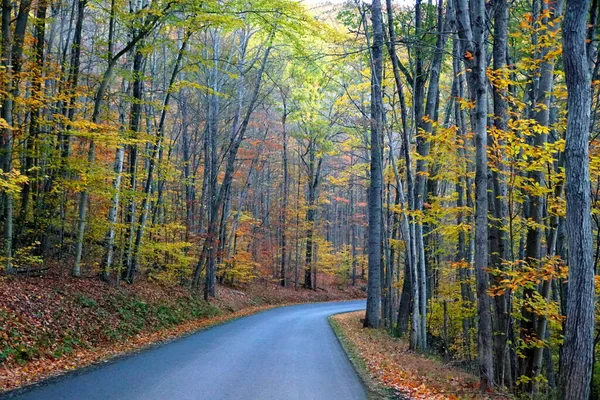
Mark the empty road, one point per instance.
(284, 353)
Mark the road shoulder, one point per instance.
(391, 371)
(375, 390)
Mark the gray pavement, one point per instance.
(283, 353)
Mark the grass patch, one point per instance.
(136, 315)
(85, 301)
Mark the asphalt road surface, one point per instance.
(283, 353)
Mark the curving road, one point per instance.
(284, 353)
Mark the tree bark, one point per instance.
(372, 317)
(498, 235)
(577, 355)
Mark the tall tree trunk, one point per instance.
(419, 82)
(499, 240)
(577, 354)
(135, 120)
(285, 194)
(471, 22)
(7, 139)
(372, 317)
(351, 217)
(463, 255)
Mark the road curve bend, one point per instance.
(283, 353)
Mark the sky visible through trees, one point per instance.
(444, 151)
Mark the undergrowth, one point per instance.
(114, 317)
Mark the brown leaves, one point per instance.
(392, 364)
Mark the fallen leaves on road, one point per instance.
(392, 364)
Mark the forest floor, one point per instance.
(53, 324)
(391, 368)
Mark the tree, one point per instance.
(471, 21)
(576, 357)
(372, 317)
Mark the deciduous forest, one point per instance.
(443, 156)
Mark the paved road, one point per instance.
(284, 353)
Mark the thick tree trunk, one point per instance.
(135, 119)
(7, 139)
(463, 255)
(353, 240)
(498, 235)
(420, 280)
(577, 354)
(372, 317)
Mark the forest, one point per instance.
(444, 152)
